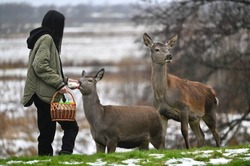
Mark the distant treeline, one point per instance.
(19, 17)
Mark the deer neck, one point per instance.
(92, 108)
(159, 81)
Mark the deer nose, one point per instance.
(169, 57)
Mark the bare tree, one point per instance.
(214, 39)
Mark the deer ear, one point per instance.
(83, 73)
(147, 40)
(171, 42)
(99, 74)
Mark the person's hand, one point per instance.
(63, 89)
(73, 84)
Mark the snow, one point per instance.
(27, 162)
(219, 161)
(227, 157)
(157, 156)
(71, 163)
(183, 162)
(131, 162)
(234, 152)
(222, 160)
(98, 162)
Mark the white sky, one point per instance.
(69, 2)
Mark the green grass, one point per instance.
(203, 155)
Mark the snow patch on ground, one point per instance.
(219, 161)
(157, 156)
(98, 162)
(131, 162)
(183, 162)
(27, 162)
(71, 163)
(234, 152)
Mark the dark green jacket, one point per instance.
(44, 75)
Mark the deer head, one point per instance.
(88, 83)
(160, 53)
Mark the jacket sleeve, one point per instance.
(42, 66)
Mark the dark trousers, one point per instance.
(47, 129)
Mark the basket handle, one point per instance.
(66, 92)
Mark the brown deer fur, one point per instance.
(184, 101)
(119, 126)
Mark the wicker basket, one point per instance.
(63, 111)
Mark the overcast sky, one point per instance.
(69, 2)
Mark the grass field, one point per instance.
(230, 156)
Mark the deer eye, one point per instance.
(157, 49)
(90, 80)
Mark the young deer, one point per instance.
(181, 100)
(119, 126)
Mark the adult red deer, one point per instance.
(181, 100)
(119, 126)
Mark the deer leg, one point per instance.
(100, 148)
(164, 122)
(111, 146)
(210, 121)
(195, 126)
(184, 127)
(144, 145)
(157, 139)
(158, 142)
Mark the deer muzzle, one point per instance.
(169, 58)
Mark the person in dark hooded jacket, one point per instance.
(44, 78)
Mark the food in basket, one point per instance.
(63, 111)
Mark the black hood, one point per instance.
(35, 35)
(52, 24)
